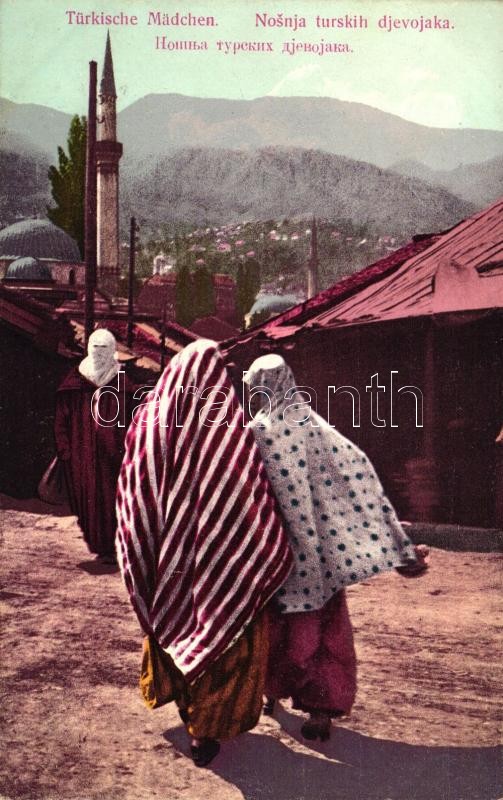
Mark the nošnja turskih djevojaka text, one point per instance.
(187, 18)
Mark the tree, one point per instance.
(253, 277)
(184, 306)
(247, 285)
(204, 293)
(68, 182)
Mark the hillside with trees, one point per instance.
(214, 187)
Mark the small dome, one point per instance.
(28, 269)
(38, 238)
(273, 303)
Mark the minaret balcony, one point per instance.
(108, 149)
(108, 153)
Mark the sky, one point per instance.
(444, 78)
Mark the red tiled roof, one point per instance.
(352, 283)
(219, 278)
(47, 328)
(155, 295)
(457, 270)
(213, 328)
(147, 338)
(24, 300)
(444, 278)
(159, 293)
(143, 344)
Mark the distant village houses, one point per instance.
(429, 316)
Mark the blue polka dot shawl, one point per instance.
(342, 528)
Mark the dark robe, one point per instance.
(92, 455)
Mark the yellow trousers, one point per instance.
(227, 699)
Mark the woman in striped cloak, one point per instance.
(342, 529)
(201, 547)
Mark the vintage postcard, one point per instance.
(251, 475)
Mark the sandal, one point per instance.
(317, 727)
(204, 752)
(420, 565)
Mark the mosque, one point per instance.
(42, 287)
(42, 260)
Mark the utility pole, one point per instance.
(313, 263)
(90, 206)
(163, 339)
(132, 258)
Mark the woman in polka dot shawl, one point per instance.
(342, 530)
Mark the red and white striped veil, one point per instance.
(200, 540)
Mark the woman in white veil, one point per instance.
(342, 530)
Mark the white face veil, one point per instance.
(342, 527)
(270, 381)
(100, 365)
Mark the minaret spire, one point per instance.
(107, 85)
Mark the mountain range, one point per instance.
(160, 123)
(211, 186)
(477, 183)
(294, 155)
(157, 124)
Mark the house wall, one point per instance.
(450, 469)
(29, 382)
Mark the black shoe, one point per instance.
(268, 709)
(205, 752)
(316, 729)
(108, 558)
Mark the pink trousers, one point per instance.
(312, 658)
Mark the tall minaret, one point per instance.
(108, 153)
(312, 264)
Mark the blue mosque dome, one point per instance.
(273, 303)
(268, 305)
(38, 238)
(28, 269)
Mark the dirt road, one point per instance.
(425, 726)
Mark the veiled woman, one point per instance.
(201, 547)
(92, 415)
(342, 529)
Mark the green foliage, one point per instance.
(252, 268)
(123, 287)
(276, 263)
(68, 181)
(184, 305)
(204, 293)
(260, 316)
(280, 258)
(218, 262)
(247, 285)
